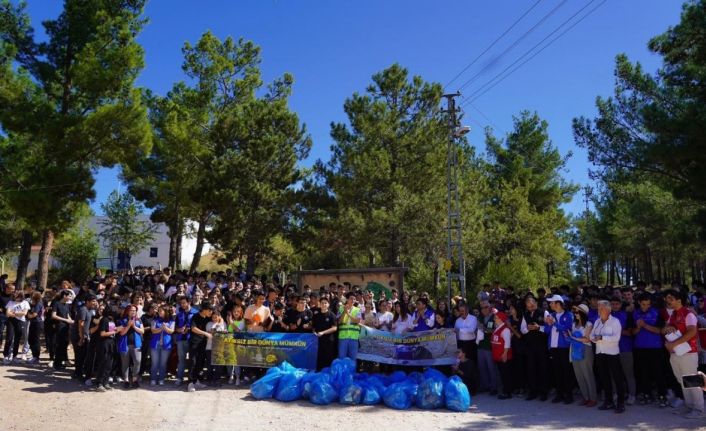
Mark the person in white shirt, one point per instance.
(16, 310)
(606, 334)
(402, 321)
(466, 327)
(384, 316)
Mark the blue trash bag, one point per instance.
(289, 387)
(351, 394)
(371, 393)
(430, 394)
(397, 376)
(322, 392)
(342, 371)
(305, 383)
(398, 396)
(415, 376)
(430, 373)
(265, 386)
(457, 397)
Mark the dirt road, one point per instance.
(36, 398)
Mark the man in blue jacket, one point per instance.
(557, 325)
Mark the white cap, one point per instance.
(555, 298)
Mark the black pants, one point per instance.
(326, 354)
(61, 344)
(80, 352)
(563, 373)
(536, 358)
(14, 334)
(50, 338)
(197, 355)
(3, 324)
(90, 366)
(649, 371)
(146, 361)
(104, 359)
(609, 371)
(35, 329)
(505, 370)
(470, 348)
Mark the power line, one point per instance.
(468, 103)
(514, 44)
(468, 66)
(478, 93)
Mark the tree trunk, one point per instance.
(251, 263)
(435, 280)
(180, 236)
(24, 258)
(628, 272)
(43, 264)
(200, 239)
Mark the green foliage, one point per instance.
(77, 250)
(123, 228)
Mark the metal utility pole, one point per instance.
(587, 191)
(453, 201)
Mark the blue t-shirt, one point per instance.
(184, 319)
(645, 339)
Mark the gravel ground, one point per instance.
(38, 398)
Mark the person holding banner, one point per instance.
(325, 328)
(423, 317)
(349, 329)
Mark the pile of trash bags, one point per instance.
(428, 390)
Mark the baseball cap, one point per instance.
(555, 298)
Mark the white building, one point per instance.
(155, 254)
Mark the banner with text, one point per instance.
(265, 349)
(435, 347)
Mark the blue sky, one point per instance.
(333, 48)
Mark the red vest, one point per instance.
(497, 343)
(678, 320)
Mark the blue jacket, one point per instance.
(563, 326)
(122, 339)
(166, 339)
(183, 318)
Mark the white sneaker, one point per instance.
(161, 383)
(88, 383)
(7, 361)
(191, 388)
(231, 380)
(237, 381)
(153, 383)
(120, 380)
(110, 380)
(631, 400)
(200, 385)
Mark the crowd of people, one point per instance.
(613, 346)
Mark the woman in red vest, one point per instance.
(502, 353)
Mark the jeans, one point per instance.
(182, 350)
(136, 355)
(14, 333)
(158, 371)
(347, 348)
(35, 328)
(487, 370)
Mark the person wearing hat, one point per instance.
(558, 325)
(502, 353)
(583, 363)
